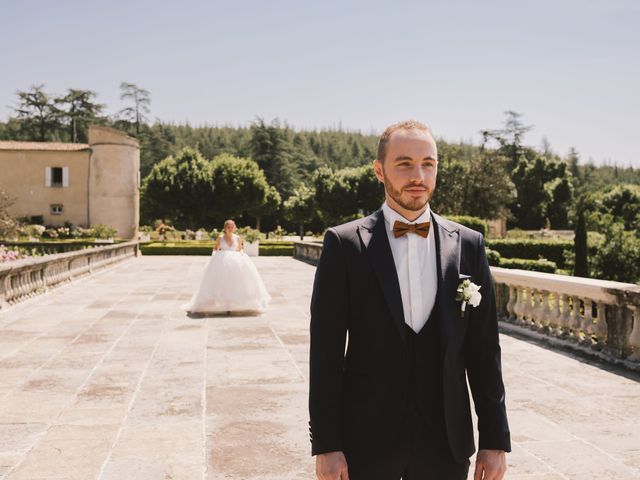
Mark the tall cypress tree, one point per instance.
(581, 267)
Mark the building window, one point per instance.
(56, 209)
(56, 177)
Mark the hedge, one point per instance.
(541, 265)
(493, 257)
(276, 250)
(168, 248)
(531, 249)
(474, 223)
(205, 248)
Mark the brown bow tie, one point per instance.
(401, 228)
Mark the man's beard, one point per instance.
(414, 204)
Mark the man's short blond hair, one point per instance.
(404, 125)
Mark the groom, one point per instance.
(395, 403)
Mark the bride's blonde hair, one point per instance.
(229, 222)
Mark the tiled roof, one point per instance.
(45, 146)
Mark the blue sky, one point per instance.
(571, 67)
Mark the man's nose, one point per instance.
(417, 174)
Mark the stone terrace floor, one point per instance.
(106, 378)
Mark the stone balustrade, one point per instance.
(22, 279)
(307, 251)
(597, 317)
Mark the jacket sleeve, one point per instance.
(483, 361)
(329, 311)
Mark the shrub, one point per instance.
(50, 233)
(532, 249)
(474, 223)
(161, 248)
(34, 231)
(103, 231)
(618, 257)
(194, 248)
(12, 253)
(249, 234)
(282, 250)
(493, 257)
(540, 265)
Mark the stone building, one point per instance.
(83, 184)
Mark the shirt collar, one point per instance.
(390, 216)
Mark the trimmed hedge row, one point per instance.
(531, 249)
(205, 248)
(276, 250)
(493, 257)
(540, 265)
(537, 265)
(474, 223)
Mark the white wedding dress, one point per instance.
(230, 283)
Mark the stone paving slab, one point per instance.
(106, 378)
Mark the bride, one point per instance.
(230, 281)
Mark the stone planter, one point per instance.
(252, 249)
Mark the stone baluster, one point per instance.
(520, 306)
(556, 315)
(634, 337)
(511, 303)
(601, 329)
(587, 322)
(534, 309)
(4, 287)
(527, 305)
(565, 315)
(546, 316)
(574, 317)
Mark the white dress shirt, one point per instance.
(415, 260)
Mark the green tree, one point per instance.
(239, 186)
(300, 208)
(539, 194)
(618, 257)
(272, 150)
(79, 110)
(510, 137)
(560, 194)
(140, 98)
(478, 185)
(581, 267)
(488, 190)
(8, 225)
(179, 188)
(270, 207)
(38, 114)
(348, 193)
(623, 202)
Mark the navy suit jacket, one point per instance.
(358, 398)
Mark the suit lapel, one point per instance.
(447, 238)
(373, 235)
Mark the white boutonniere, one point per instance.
(468, 292)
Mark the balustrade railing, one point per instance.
(22, 279)
(598, 317)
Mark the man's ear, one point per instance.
(377, 168)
